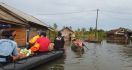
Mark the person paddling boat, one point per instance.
(77, 45)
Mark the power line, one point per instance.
(117, 12)
(89, 11)
(106, 13)
(75, 12)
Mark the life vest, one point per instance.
(33, 40)
(35, 47)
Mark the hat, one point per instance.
(43, 33)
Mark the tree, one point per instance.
(70, 27)
(90, 29)
(78, 29)
(83, 29)
(101, 30)
(55, 26)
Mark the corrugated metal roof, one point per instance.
(23, 15)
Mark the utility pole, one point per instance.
(96, 24)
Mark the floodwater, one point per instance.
(104, 56)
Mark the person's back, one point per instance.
(59, 42)
(44, 43)
(7, 48)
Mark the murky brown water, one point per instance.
(103, 56)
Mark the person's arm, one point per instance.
(50, 41)
(15, 53)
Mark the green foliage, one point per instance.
(90, 29)
(55, 26)
(83, 29)
(101, 34)
(52, 34)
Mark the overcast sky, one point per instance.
(78, 13)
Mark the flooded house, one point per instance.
(67, 33)
(120, 35)
(25, 25)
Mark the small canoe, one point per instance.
(77, 48)
(34, 61)
(92, 41)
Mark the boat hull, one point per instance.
(77, 48)
(34, 61)
(92, 41)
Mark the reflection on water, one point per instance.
(78, 52)
(104, 56)
(54, 65)
(57, 67)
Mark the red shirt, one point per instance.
(44, 43)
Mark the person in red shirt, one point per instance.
(42, 43)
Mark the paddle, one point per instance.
(85, 46)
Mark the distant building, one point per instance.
(120, 35)
(26, 26)
(67, 33)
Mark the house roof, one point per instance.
(119, 30)
(68, 29)
(23, 15)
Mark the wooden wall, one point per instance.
(33, 32)
(22, 32)
(20, 35)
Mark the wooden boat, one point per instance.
(77, 48)
(93, 41)
(33, 61)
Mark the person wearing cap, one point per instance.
(59, 42)
(42, 43)
(8, 47)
